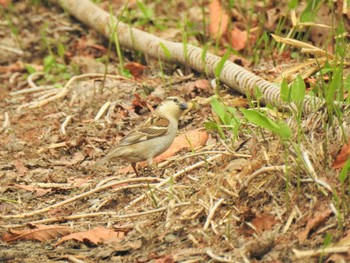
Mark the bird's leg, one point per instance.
(133, 165)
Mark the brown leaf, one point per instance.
(21, 169)
(78, 182)
(140, 102)
(95, 236)
(192, 140)
(264, 222)
(40, 233)
(238, 39)
(38, 191)
(165, 259)
(195, 87)
(218, 19)
(313, 223)
(135, 69)
(342, 157)
(5, 3)
(67, 161)
(77, 157)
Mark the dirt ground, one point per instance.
(221, 201)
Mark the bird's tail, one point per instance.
(111, 155)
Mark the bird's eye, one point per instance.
(175, 100)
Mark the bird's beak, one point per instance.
(183, 106)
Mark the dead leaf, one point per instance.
(78, 182)
(135, 69)
(195, 87)
(342, 157)
(95, 236)
(313, 222)
(218, 19)
(264, 222)
(40, 233)
(165, 259)
(77, 157)
(5, 3)
(238, 39)
(140, 102)
(21, 169)
(37, 190)
(17, 66)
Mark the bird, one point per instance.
(152, 137)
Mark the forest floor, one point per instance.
(214, 199)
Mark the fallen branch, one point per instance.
(232, 75)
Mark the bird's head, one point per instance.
(172, 106)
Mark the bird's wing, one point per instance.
(154, 127)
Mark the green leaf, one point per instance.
(146, 11)
(298, 90)
(221, 64)
(281, 129)
(327, 240)
(204, 52)
(165, 50)
(333, 86)
(30, 68)
(284, 130)
(344, 171)
(58, 85)
(49, 62)
(285, 91)
(61, 50)
(292, 4)
(219, 109)
(210, 125)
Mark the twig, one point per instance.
(6, 123)
(289, 221)
(313, 174)
(261, 171)
(45, 209)
(32, 76)
(173, 177)
(117, 178)
(52, 146)
(217, 258)
(110, 112)
(30, 90)
(102, 110)
(74, 259)
(65, 123)
(111, 214)
(316, 252)
(65, 89)
(120, 189)
(11, 49)
(212, 212)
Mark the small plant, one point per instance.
(227, 119)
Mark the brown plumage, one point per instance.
(151, 138)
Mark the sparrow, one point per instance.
(152, 137)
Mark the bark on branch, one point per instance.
(232, 75)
